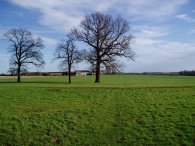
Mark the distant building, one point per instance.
(82, 72)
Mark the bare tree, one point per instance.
(108, 38)
(24, 49)
(68, 54)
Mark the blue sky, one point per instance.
(164, 31)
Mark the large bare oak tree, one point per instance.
(67, 52)
(107, 37)
(24, 49)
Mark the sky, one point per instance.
(164, 31)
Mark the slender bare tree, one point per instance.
(68, 54)
(24, 49)
(107, 37)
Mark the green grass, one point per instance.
(121, 110)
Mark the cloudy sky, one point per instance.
(164, 30)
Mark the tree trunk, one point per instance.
(97, 76)
(18, 73)
(69, 74)
(69, 78)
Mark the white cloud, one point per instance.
(185, 17)
(154, 8)
(147, 45)
(59, 20)
(146, 31)
(155, 53)
(161, 55)
(63, 14)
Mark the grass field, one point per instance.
(121, 110)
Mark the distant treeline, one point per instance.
(181, 73)
(152, 73)
(84, 72)
(187, 73)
